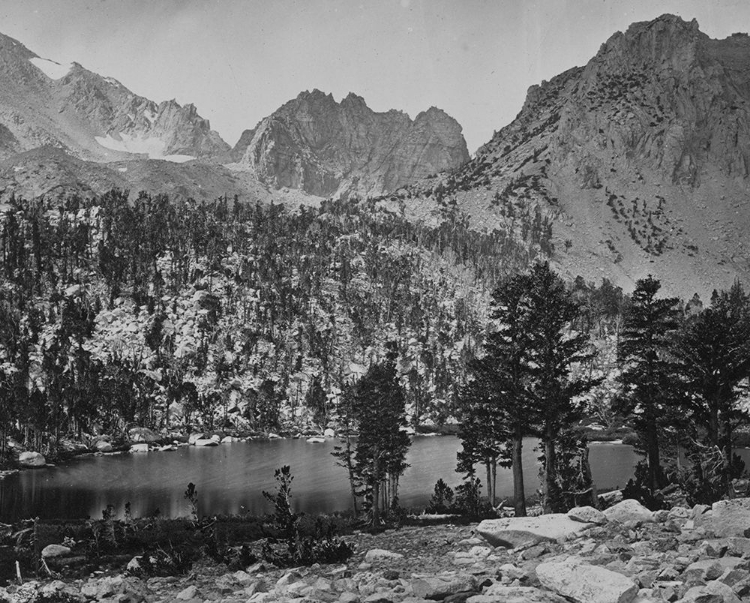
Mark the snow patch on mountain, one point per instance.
(151, 146)
(51, 69)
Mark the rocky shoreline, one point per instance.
(625, 554)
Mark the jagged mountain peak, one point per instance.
(323, 147)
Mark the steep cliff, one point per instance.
(639, 160)
(315, 144)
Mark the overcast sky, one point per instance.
(239, 60)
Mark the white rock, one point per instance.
(379, 554)
(440, 586)
(143, 447)
(587, 515)
(103, 446)
(726, 518)
(188, 593)
(315, 440)
(134, 564)
(515, 594)
(142, 434)
(216, 438)
(586, 583)
(205, 442)
(31, 459)
(194, 437)
(629, 510)
(55, 550)
(329, 433)
(516, 532)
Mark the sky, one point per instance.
(240, 60)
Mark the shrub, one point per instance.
(442, 498)
(168, 561)
(295, 542)
(468, 500)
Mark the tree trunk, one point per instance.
(376, 490)
(494, 483)
(488, 468)
(652, 452)
(350, 470)
(518, 489)
(726, 449)
(549, 469)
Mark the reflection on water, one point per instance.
(231, 477)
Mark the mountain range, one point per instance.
(636, 163)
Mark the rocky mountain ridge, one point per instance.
(325, 148)
(90, 116)
(639, 159)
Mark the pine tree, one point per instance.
(648, 370)
(554, 351)
(379, 408)
(495, 410)
(713, 351)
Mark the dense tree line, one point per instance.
(147, 312)
(681, 377)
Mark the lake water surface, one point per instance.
(230, 478)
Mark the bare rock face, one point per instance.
(640, 160)
(324, 148)
(92, 117)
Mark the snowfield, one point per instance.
(52, 70)
(151, 146)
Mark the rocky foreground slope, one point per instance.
(625, 554)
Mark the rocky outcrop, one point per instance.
(326, 148)
(521, 532)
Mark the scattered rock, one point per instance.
(142, 434)
(610, 498)
(55, 550)
(726, 518)
(206, 442)
(380, 554)
(439, 587)
(103, 446)
(188, 593)
(498, 593)
(523, 532)
(587, 515)
(629, 510)
(31, 459)
(194, 437)
(586, 583)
